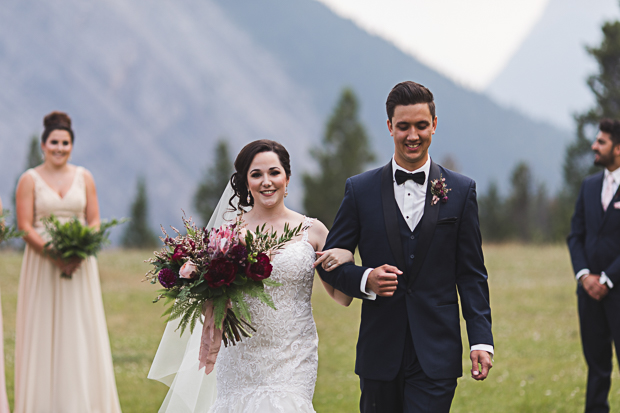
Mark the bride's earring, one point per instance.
(286, 192)
(249, 198)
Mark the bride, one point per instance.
(275, 370)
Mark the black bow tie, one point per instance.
(402, 176)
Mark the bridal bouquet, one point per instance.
(209, 273)
(6, 232)
(74, 240)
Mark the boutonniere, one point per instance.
(440, 190)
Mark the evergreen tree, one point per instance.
(345, 152)
(519, 203)
(540, 214)
(35, 158)
(578, 158)
(493, 220)
(138, 234)
(213, 183)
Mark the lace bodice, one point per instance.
(275, 370)
(47, 201)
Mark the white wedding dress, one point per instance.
(274, 371)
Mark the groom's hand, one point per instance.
(481, 363)
(383, 280)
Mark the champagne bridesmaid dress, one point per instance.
(63, 362)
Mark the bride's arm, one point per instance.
(335, 257)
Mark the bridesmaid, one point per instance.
(63, 362)
(4, 402)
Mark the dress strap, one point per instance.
(306, 226)
(35, 175)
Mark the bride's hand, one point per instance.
(333, 258)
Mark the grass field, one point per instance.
(539, 366)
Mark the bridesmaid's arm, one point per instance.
(92, 203)
(318, 235)
(24, 205)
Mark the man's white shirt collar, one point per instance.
(615, 174)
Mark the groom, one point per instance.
(415, 224)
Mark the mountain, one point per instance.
(152, 85)
(546, 78)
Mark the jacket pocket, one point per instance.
(447, 221)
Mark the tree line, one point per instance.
(527, 212)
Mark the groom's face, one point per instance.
(412, 128)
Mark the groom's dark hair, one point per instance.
(612, 127)
(409, 93)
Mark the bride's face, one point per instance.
(57, 148)
(267, 180)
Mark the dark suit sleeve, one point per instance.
(345, 234)
(613, 272)
(577, 237)
(471, 274)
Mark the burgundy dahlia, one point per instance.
(238, 254)
(167, 278)
(261, 269)
(221, 272)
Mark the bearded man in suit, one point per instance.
(594, 244)
(416, 226)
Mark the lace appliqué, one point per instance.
(275, 370)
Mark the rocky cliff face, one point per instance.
(151, 85)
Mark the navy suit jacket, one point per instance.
(448, 257)
(594, 240)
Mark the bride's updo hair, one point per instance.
(239, 179)
(56, 120)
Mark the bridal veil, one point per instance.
(176, 361)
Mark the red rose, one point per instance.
(261, 269)
(221, 272)
(179, 253)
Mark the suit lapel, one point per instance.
(427, 229)
(390, 216)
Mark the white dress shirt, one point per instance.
(615, 184)
(410, 197)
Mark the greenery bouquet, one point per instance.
(8, 232)
(75, 240)
(209, 273)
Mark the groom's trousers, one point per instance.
(600, 325)
(411, 391)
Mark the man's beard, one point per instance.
(604, 160)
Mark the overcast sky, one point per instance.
(469, 41)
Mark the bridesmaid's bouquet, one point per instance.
(8, 232)
(75, 240)
(209, 273)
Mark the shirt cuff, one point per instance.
(582, 273)
(371, 295)
(484, 347)
(605, 280)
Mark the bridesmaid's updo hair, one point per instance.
(239, 179)
(56, 120)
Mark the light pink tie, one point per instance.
(608, 194)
